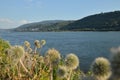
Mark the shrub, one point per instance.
(16, 64)
(4, 45)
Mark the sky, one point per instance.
(14, 13)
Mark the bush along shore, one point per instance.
(24, 63)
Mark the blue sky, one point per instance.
(17, 12)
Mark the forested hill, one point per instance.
(109, 21)
(99, 22)
(51, 25)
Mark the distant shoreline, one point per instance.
(65, 31)
(12, 30)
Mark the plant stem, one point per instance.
(23, 65)
(35, 50)
(51, 72)
(69, 76)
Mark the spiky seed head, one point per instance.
(53, 55)
(27, 44)
(18, 51)
(43, 42)
(37, 43)
(101, 68)
(115, 62)
(62, 72)
(72, 61)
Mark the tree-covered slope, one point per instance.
(52, 25)
(109, 21)
(100, 22)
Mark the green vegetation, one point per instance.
(24, 63)
(3, 45)
(43, 26)
(99, 22)
(109, 21)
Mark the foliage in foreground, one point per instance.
(24, 63)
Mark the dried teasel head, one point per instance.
(53, 55)
(37, 43)
(101, 68)
(71, 61)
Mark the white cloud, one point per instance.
(6, 23)
(23, 22)
(5, 20)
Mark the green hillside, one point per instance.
(99, 22)
(109, 21)
(52, 25)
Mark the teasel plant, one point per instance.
(101, 68)
(115, 63)
(37, 45)
(54, 57)
(71, 63)
(17, 53)
(36, 66)
(42, 42)
(27, 47)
